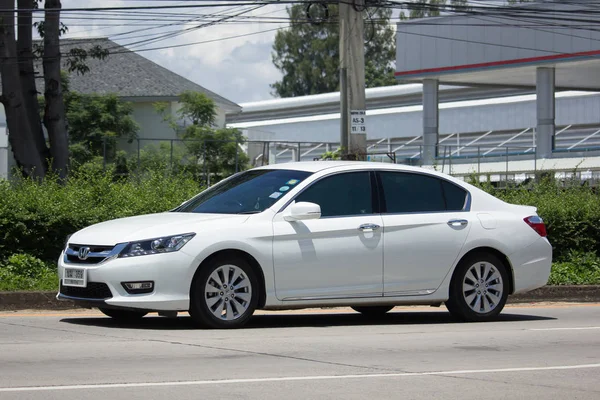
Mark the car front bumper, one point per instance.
(171, 273)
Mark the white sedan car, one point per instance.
(312, 234)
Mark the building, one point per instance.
(515, 90)
(134, 79)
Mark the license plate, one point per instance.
(75, 277)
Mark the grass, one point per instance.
(43, 282)
(582, 269)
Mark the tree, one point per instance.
(431, 8)
(25, 56)
(21, 136)
(308, 54)
(95, 123)
(217, 150)
(19, 92)
(54, 111)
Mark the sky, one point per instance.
(238, 69)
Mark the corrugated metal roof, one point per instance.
(128, 75)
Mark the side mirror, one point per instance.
(302, 211)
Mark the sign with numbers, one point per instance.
(358, 121)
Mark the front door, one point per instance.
(339, 255)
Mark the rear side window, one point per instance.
(456, 197)
(410, 193)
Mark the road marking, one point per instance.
(583, 328)
(291, 379)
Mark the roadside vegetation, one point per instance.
(36, 217)
(571, 211)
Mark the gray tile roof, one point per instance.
(127, 74)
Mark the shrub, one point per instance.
(35, 218)
(572, 214)
(24, 272)
(581, 268)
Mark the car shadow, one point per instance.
(308, 320)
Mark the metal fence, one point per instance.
(491, 161)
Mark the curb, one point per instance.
(13, 301)
(569, 294)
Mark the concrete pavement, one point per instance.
(549, 352)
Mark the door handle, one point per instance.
(368, 227)
(458, 222)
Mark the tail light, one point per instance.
(537, 224)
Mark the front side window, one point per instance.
(248, 192)
(410, 193)
(341, 195)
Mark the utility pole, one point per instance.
(353, 133)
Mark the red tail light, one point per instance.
(537, 224)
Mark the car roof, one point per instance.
(316, 166)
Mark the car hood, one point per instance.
(150, 226)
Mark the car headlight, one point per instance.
(167, 244)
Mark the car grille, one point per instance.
(96, 255)
(93, 291)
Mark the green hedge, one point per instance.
(579, 269)
(24, 272)
(571, 214)
(35, 218)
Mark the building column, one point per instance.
(545, 79)
(430, 120)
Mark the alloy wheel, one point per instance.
(228, 292)
(482, 287)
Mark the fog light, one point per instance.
(138, 287)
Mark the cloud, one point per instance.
(250, 53)
(239, 69)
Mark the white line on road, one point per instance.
(567, 329)
(291, 378)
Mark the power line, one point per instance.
(152, 38)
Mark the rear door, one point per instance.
(426, 222)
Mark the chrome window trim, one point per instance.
(466, 206)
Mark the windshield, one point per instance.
(246, 193)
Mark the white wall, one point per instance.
(151, 126)
(466, 40)
(3, 153)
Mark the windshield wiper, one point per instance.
(250, 212)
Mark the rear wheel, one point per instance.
(479, 288)
(372, 311)
(224, 294)
(123, 315)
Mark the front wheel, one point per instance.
(224, 294)
(123, 315)
(479, 288)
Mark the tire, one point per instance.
(372, 311)
(468, 301)
(233, 304)
(123, 315)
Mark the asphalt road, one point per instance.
(539, 352)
